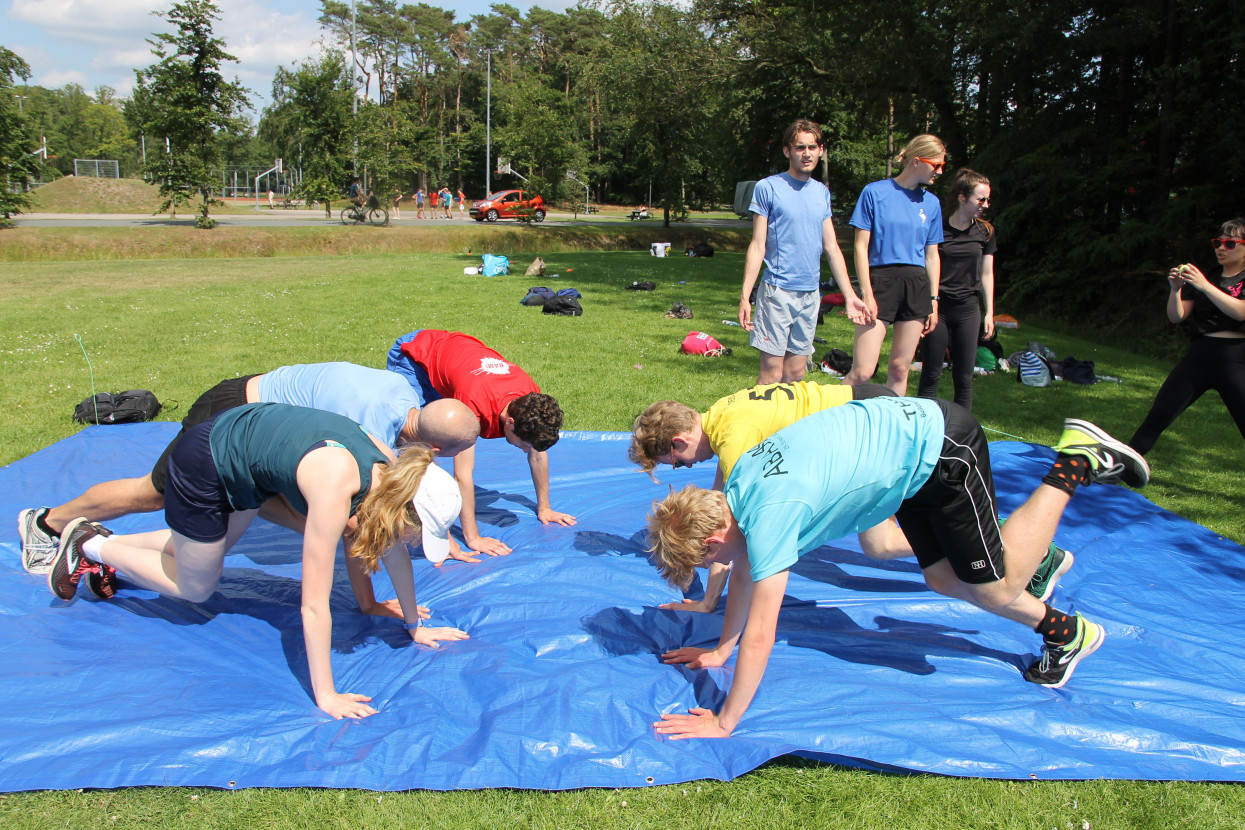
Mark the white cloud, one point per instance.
(92, 22)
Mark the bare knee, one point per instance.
(198, 593)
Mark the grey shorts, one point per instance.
(783, 321)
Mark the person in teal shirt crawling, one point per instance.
(926, 462)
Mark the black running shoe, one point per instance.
(68, 565)
(1059, 661)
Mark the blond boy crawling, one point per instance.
(669, 432)
(847, 469)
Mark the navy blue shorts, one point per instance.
(195, 502)
(954, 515)
(225, 395)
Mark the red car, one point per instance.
(508, 204)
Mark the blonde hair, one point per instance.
(678, 526)
(924, 145)
(387, 513)
(653, 432)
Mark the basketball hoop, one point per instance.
(503, 166)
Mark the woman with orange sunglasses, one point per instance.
(898, 228)
(1213, 313)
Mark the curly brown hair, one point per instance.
(654, 430)
(678, 526)
(537, 419)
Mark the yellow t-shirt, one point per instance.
(740, 421)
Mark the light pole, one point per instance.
(488, 126)
(20, 98)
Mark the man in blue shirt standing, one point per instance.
(848, 469)
(791, 226)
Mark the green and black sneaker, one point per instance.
(1051, 569)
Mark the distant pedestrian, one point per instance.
(462, 204)
(397, 197)
(432, 204)
(447, 202)
(419, 203)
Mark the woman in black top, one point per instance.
(967, 253)
(1214, 315)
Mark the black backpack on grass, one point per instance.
(118, 408)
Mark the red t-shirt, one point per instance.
(461, 367)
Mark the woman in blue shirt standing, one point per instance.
(898, 228)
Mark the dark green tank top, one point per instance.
(257, 449)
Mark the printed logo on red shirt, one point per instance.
(492, 366)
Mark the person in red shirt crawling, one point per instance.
(508, 403)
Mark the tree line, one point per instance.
(1108, 128)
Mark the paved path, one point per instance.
(266, 218)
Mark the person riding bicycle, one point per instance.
(355, 194)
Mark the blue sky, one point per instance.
(102, 42)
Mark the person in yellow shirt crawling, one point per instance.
(669, 432)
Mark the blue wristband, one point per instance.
(411, 626)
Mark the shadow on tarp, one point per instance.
(562, 677)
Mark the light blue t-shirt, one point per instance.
(838, 471)
(900, 222)
(376, 399)
(795, 211)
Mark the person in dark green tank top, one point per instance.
(347, 485)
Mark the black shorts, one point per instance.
(195, 503)
(865, 391)
(954, 515)
(225, 395)
(901, 292)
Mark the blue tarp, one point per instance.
(560, 681)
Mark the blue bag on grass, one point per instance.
(495, 266)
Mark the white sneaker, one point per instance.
(38, 548)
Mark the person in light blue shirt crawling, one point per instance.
(898, 229)
(848, 469)
(791, 227)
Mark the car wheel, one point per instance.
(538, 215)
(491, 215)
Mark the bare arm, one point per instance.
(857, 311)
(737, 602)
(987, 291)
(933, 268)
(754, 652)
(464, 467)
(327, 477)
(753, 261)
(1229, 305)
(860, 253)
(538, 462)
(398, 566)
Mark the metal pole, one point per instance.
(488, 129)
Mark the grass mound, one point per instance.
(87, 194)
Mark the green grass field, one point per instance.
(178, 325)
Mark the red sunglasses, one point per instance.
(937, 165)
(1227, 242)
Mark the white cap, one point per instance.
(438, 503)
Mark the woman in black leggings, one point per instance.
(1214, 315)
(967, 253)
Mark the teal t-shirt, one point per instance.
(838, 471)
(257, 448)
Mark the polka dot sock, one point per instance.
(1068, 472)
(1057, 627)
